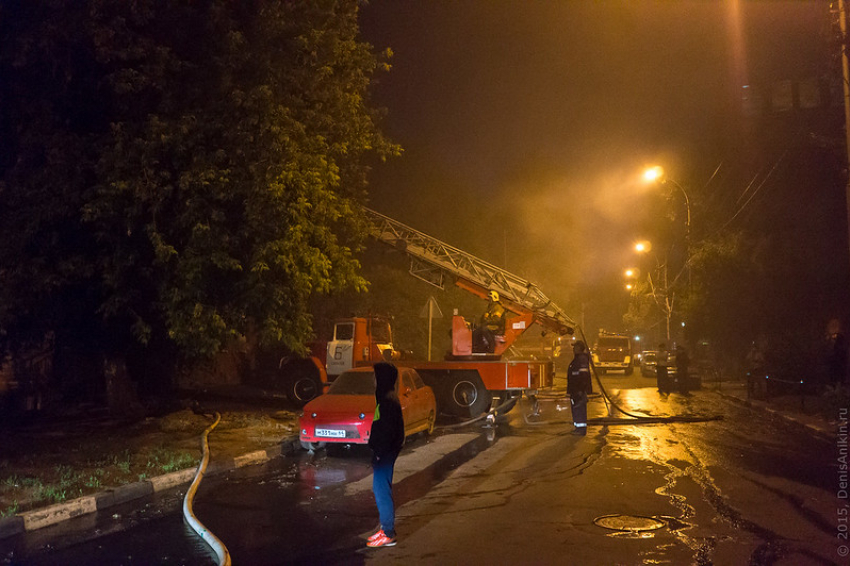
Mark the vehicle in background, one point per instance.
(612, 351)
(647, 364)
(355, 341)
(637, 358)
(344, 414)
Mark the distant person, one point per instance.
(579, 386)
(756, 377)
(837, 355)
(385, 440)
(661, 376)
(683, 362)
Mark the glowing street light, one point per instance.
(656, 174)
(643, 246)
(658, 289)
(653, 174)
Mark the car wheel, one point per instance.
(312, 446)
(630, 370)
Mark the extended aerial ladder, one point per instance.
(436, 262)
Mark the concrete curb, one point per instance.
(819, 431)
(47, 516)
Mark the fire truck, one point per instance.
(613, 351)
(476, 374)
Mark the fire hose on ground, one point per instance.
(189, 515)
(508, 404)
(490, 415)
(633, 419)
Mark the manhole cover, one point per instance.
(630, 523)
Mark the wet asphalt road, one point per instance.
(743, 490)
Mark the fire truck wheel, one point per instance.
(302, 389)
(301, 381)
(469, 398)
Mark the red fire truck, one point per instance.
(475, 374)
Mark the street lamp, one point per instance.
(643, 246)
(656, 174)
(659, 288)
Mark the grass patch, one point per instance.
(54, 465)
(166, 461)
(10, 510)
(95, 479)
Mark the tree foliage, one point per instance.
(180, 172)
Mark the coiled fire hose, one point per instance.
(189, 516)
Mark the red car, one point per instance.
(344, 414)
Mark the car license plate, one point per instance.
(330, 433)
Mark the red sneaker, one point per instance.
(382, 540)
(377, 535)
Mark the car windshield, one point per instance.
(381, 332)
(353, 383)
(613, 343)
(649, 357)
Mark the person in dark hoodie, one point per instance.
(385, 440)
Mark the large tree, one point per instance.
(177, 173)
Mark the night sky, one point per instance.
(526, 124)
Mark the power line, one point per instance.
(754, 193)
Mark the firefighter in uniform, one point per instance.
(579, 386)
(494, 318)
(492, 325)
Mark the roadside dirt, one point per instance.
(49, 461)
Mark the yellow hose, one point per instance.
(189, 516)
